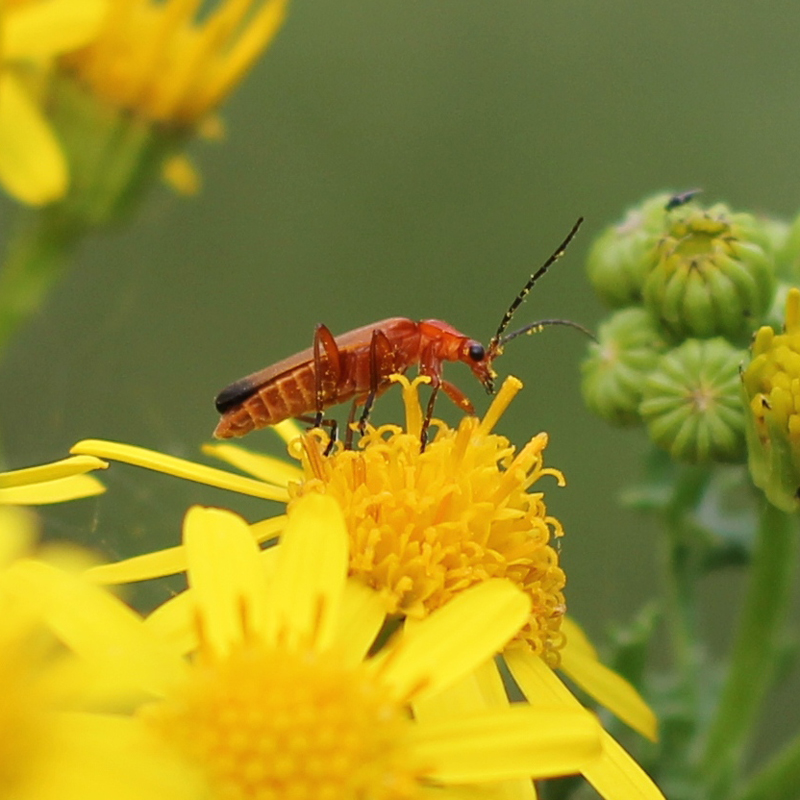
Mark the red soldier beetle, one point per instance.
(357, 365)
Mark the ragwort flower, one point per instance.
(426, 526)
(261, 684)
(32, 32)
(771, 386)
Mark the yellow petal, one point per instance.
(179, 467)
(306, 594)
(17, 533)
(268, 528)
(181, 175)
(140, 568)
(57, 491)
(501, 790)
(51, 27)
(616, 776)
(539, 684)
(100, 628)
(75, 465)
(288, 430)
(361, 618)
(266, 468)
(32, 167)
(97, 756)
(480, 689)
(455, 639)
(579, 661)
(175, 621)
(225, 576)
(516, 742)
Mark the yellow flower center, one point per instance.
(427, 525)
(165, 61)
(273, 724)
(772, 379)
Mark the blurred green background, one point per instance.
(418, 159)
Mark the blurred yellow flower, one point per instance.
(279, 696)
(32, 32)
(174, 61)
(423, 528)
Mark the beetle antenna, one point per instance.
(498, 339)
(535, 327)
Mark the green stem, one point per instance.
(779, 779)
(754, 650)
(683, 569)
(37, 255)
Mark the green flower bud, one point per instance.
(618, 364)
(618, 261)
(771, 385)
(692, 404)
(711, 274)
(787, 254)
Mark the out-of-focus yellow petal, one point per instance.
(32, 166)
(140, 568)
(100, 628)
(51, 27)
(361, 617)
(456, 638)
(266, 468)
(508, 743)
(579, 661)
(617, 776)
(57, 491)
(17, 533)
(288, 430)
(75, 465)
(224, 575)
(99, 756)
(180, 468)
(480, 689)
(306, 593)
(181, 175)
(175, 622)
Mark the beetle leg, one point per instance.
(348, 437)
(426, 423)
(333, 435)
(458, 397)
(381, 362)
(327, 368)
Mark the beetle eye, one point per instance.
(476, 352)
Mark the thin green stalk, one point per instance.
(682, 574)
(36, 257)
(754, 650)
(780, 779)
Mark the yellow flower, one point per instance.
(423, 528)
(32, 32)
(278, 696)
(771, 384)
(171, 63)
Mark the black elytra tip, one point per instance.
(234, 395)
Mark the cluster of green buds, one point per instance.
(688, 286)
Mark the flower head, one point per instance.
(170, 61)
(32, 33)
(262, 685)
(771, 384)
(426, 525)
